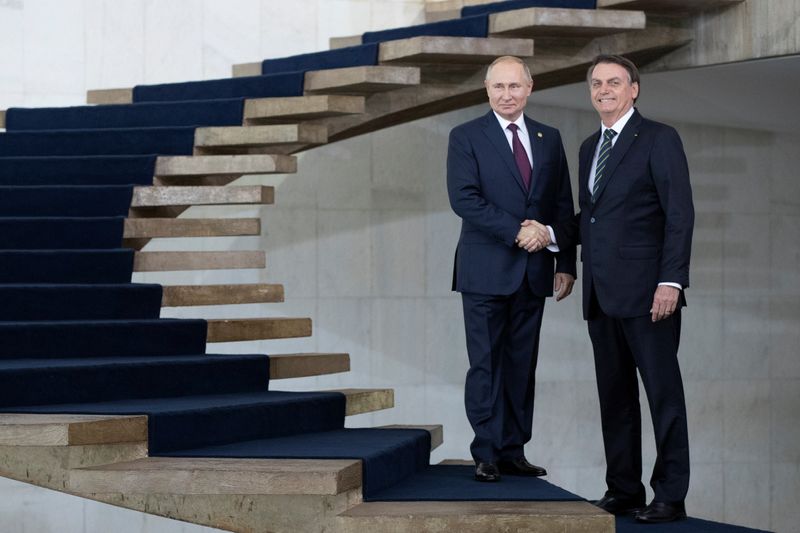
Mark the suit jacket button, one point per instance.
(591, 220)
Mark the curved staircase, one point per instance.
(107, 400)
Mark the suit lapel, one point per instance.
(492, 129)
(537, 153)
(626, 138)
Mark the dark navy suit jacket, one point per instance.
(487, 192)
(638, 232)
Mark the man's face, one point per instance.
(612, 91)
(508, 89)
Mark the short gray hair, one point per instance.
(510, 59)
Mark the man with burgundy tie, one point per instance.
(508, 180)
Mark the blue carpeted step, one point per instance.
(65, 201)
(80, 302)
(113, 141)
(508, 5)
(196, 421)
(78, 170)
(271, 85)
(627, 524)
(99, 338)
(227, 112)
(457, 483)
(66, 266)
(477, 26)
(50, 381)
(351, 56)
(65, 233)
(389, 455)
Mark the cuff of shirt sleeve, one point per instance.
(553, 247)
(672, 284)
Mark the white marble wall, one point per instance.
(362, 237)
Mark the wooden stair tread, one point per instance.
(2, 118)
(452, 50)
(248, 329)
(361, 401)
(109, 96)
(176, 196)
(228, 294)
(297, 365)
(667, 7)
(299, 108)
(436, 431)
(564, 23)
(148, 228)
(361, 80)
(476, 516)
(70, 430)
(176, 261)
(237, 138)
(167, 475)
(224, 165)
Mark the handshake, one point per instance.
(533, 236)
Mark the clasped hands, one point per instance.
(533, 237)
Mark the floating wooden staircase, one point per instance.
(105, 457)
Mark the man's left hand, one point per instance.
(665, 302)
(562, 285)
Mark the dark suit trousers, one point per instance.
(621, 345)
(502, 344)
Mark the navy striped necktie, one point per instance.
(602, 158)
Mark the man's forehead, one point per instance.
(608, 71)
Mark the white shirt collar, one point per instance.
(618, 125)
(520, 122)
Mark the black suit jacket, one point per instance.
(638, 231)
(487, 192)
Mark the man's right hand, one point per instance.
(532, 236)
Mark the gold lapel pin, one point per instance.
(539, 134)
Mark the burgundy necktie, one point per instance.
(520, 156)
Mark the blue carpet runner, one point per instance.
(66, 233)
(65, 200)
(73, 301)
(626, 524)
(351, 56)
(113, 141)
(271, 85)
(508, 5)
(66, 266)
(79, 170)
(224, 112)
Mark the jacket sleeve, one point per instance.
(565, 227)
(671, 177)
(466, 198)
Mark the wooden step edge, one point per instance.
(184, 196)
(436, 431)
(2, 119)
(178, 261)
(361, 80)
(344, 42)
(564, 23)
(361, 401)
(224, 165)
(475, 516)
(452, 50)
(677, 8)
(301, 108)
(229, 294)
(149, 228)
(242, 70)
(70, 430)
(250, 329)
(258, 136)
(300, 365)
(184, 475)
(109, 96)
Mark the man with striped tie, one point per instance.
(636, 225)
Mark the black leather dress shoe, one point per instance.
(658, 512)
(520, 467)
(487, 472)
(616, 504)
